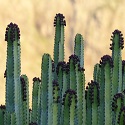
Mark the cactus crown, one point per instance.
(13, 32)
(59, 20)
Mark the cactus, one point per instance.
(13, 86)
(60, 96)
(36, 100)
(25, 98)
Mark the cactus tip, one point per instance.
(61, 19)
(12, 32)
(106, 58)
(121, 39)
(36, 79)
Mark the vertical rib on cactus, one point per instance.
(79, 49)
(81, 104)
(13, 119)
(69, 105)
(96, 73)
(116, 47)
(25, 98)
(88, 105)
(56, 100)
(59, 71)
(123, 75)
(13, 86)
(46, 91)
(105, 116)
(59, 24)
(7, 118)
(36, 100)
(94, 100)
(2, 112)
(30, 115)
(73, 60)
(67, 71)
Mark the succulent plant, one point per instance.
(60, 97)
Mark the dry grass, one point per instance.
(95, 20)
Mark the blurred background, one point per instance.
(94, 19)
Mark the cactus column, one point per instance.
(13, 86)
(116, 47)
(59, 24)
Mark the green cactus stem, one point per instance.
(81, 104)
(88, 106)
(30, 115)
(13, 86)
(56, 101)
(69, 105)
(13, 119)
(116, 47)
(94, 100)
(59, 24)
(25, 98)
(36, 100)
(96, 73)
(65, 85)
(105, 114)
(59, 71)
(73, 60)
(46, 91)
(62, 81)
(62, 73)
(79, 48)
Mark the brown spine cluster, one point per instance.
(121, 39)
(3, 107)
(12, 32)
(36, 79)
(76, 60)
(123, 65)
(61, 18)
(105, 59)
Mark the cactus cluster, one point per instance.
(60, 97)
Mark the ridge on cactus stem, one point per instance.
(59, 96)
